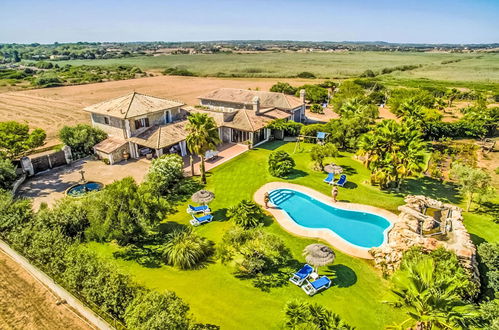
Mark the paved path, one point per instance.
(86, 312)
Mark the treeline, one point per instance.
(46, 74)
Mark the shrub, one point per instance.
(130, 221)
(311, 130)
(304, 315)
(68, 215)
(291, 128)
(165, 173)
(155, 310)
(7, 174)
(280, 163)
(446, 265)
(282, 87)
(489, 255)
(246, 214)
(316, 108)
(178, 71)
(16, 139)
(306, 75)
(368, 74)
(313, 93)
(253, 251)
(81, 138)
(321, 151)
(186, 250)
(13, 212)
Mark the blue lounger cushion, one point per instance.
(206, 218)
(305, 271)
(330, 178)
(342, 180)
(323, 282)
(198, 208)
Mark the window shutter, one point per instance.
(146, 122)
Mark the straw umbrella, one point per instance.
(332, 168)
(318, 255)
(203, 197)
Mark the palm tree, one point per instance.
(431, 300)
(186, 250)
(203, 136)
(393, 152)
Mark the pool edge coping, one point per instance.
(327, 235)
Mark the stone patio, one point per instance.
(49, 186)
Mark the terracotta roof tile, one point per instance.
(157, 137)
(132, 105)
(244, 96)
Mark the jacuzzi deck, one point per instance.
(324, 234)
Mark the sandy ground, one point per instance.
(52, 108)
(27, 304)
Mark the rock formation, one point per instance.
(417, 226)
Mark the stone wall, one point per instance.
(411, 230)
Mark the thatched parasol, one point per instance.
(203, 197)
(318, 255)
(332, 168)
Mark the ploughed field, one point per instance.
(27, 304)
(52, 108)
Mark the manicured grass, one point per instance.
(217, 297)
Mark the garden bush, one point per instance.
(280, 164)
(155, 310)
(289, 127)
(81, 139)
(313, 93)
(320, 151)
(246, 214)
(253, 251)
(305, 315)
(316, 108)
(7, 174)
(282, 87)
(186, 250)
(165, 174)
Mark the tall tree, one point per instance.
(16, 139)
(203, 136)
(473, 182)
(393, 152)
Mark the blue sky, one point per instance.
(423, 21)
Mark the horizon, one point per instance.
(422, 22)
(374, 42)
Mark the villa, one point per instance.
(138, 125)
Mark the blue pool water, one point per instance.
(358, 228)
(81, 189)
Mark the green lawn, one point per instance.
(217, 297)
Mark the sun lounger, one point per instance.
(300, 276)
(341, 182)
(329, 179)
(198, 209)
(320, 284)
(199, 221)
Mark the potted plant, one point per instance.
(126, 154)
(249, 143)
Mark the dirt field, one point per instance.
(27, 304)
(52, 108)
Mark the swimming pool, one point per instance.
(362, 229)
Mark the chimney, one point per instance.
(256, 105)
(302, 95)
